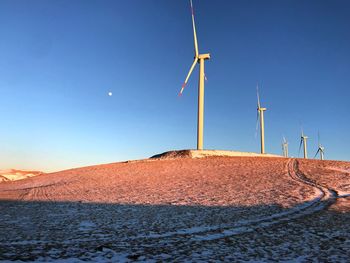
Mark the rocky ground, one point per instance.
(209, 209)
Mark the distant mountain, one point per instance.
(14, 175)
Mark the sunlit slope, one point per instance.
(209, 181)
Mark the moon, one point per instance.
(110, 94)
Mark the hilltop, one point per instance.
(184, 177)
(208, 153)
(180, 206)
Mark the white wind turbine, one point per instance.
(198, 58)
(285, 147)
(303, 139)
(260, 116)
(320, 148)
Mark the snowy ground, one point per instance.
(312, 228)
(13, 175)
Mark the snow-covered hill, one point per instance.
(181, 209)
(14, 175)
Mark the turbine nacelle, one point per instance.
(203, 56)
(303, 136)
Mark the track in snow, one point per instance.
(82, 229)
(324, 198)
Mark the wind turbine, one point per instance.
(198, 58)
(303, 139)
(261, 117)
(285, 147)
(320, 148)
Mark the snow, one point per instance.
(14, 175)
(252, 228)
(86, 226)
(337, 169)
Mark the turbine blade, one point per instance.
(258, 112)
(194, 31)
(257, 94)
(301, 141)
(188, 76)
(317, 152)
(257, 123)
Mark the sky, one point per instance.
(60, 59)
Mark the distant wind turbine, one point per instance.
(198, 58)
(303, 139)
(320, 149)
(285, 147)
(260, 115)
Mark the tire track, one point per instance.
(330, 195)
(324, 198)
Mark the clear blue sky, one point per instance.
(59, 60)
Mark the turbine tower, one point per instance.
(198, 58)
(320, 148)
(285, 147)
(261, 117)
(303, 139)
